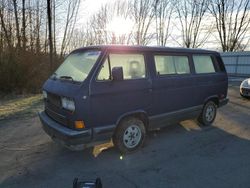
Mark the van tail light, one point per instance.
(79, 125)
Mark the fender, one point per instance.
(215, 98)
(134, 113)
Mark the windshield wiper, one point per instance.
(67, 78)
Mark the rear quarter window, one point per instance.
(168, 64)
(203, 64)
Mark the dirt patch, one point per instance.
(20, 106)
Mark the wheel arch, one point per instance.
(140, 114)
(213, 98)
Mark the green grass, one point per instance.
(20, 106)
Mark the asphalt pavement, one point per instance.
(182, 155)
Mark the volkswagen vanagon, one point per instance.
(121, 92)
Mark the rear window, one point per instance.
(165, 64)
(203, 64)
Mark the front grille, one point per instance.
(54, 99)
(57, 117)
(54, 110)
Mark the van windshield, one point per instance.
(77, 65)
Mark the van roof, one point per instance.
(147, 48)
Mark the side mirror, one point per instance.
(117, 73)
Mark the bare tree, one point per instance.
(17, 24)
(54, 24)
(232, 20)
(72, 12)
(142, 13)
(50, 32)
(163, 14)
(30, 25)
(79, 38)
(191, 14)
(122, 9)
(4, 26)
(98, 26)
(23, 25)
(37, 28)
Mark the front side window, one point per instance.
(133, 66)
(77, 65)
(203, 64)
(171, 64)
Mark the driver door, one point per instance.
(110, 99)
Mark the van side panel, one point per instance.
(172, 95)
(208, 85)
(211, 84)
(180, 97)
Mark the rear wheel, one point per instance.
(130, 135)
(208, 113)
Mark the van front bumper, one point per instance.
(64, 135)
(74, 139)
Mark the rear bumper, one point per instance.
(223, 102)
(74, 139)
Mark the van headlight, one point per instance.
(45, 95)
(68, 103)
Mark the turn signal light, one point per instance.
(79, 125)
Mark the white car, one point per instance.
(245, 88)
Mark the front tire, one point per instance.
(208, 113)
(130, 135)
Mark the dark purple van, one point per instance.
(121, 92)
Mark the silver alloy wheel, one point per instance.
(210, 113)
(132, 136)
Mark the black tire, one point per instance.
(243, 96)
(130, 135)
(208, 113)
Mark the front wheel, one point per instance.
(208, 113)
(130, 135)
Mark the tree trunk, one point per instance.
(17, 25)
(24, 25)
(5, 29)
(50, 34)
(54, 26)
(38, 46)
